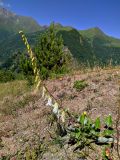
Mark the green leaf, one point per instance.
(108, 121)
(108, 132)
(82, 118)
(89, 123)
(78, 135)
(97, 123)
(94, 133)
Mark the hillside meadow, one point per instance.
(27, 128)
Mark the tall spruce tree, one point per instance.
(49, 52)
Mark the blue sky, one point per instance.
(81, 14)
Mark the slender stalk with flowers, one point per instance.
(51, 101)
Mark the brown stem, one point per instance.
(117, 129)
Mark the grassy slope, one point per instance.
(13, 88)
(15, 95)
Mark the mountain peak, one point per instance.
(6, 13)
(96, 31)
(12, 22)
(93, 32)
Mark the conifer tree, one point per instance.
(49, 52)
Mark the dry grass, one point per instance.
(15, 95)
(13, 88)
(95, 69)
(11, 104)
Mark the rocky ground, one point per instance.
(29, 126)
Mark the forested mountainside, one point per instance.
(86, 46)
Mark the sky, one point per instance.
(80, 14)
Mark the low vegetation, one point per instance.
(80, 85)
(6, 76)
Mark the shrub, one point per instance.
(6, 76)
(80, 85)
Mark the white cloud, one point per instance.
(8, 5)
(3, 4)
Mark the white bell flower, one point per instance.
(46, 97)
(55, 108)
(43, 92)
(49, 103)
(58, 114)
(63, 116)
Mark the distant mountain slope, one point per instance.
(77, 44)
(92, 33)
(86, 47)
(11, 23)
(14, 44)
(104, 47)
